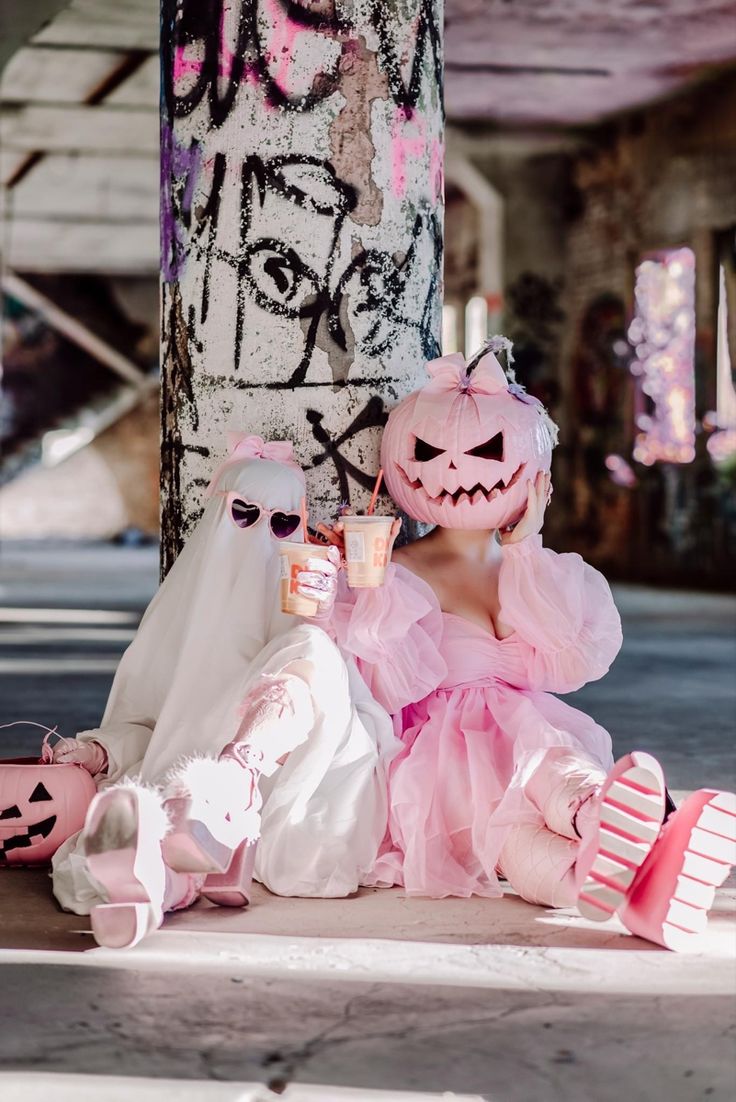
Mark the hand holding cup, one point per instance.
(318, 582)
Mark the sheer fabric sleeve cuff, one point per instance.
(563, 613)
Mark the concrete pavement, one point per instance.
(377, 993)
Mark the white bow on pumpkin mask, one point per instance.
(461, 451)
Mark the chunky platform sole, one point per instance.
(675, 888)
(232, 888)
(632, 807)
(123, 855)
(122, 925)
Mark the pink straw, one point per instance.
(374, 495)
(303, 510)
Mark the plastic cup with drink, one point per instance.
(294, 560)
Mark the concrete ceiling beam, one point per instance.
(73, 330)
(105, 24)
(64, 128)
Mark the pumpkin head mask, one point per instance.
(461, 451)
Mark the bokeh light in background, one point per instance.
(663, 335)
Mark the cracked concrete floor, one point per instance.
(376, 997)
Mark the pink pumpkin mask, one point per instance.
(461, 451)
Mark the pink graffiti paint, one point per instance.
(405, 145)
(285, 36)
(184, 65)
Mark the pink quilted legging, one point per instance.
(539, 861)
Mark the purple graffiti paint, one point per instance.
(179, 171)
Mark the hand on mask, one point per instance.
(319, 581)
(539, 493)
(91, 755)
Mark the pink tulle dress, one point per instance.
(474, 713)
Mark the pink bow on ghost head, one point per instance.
(451, 373)
(241, 446)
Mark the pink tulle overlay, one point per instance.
(394, 632)
(475, 712)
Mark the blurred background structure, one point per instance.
(590, 214)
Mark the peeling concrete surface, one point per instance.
(287, 141)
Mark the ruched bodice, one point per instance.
(473, 656)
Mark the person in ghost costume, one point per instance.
(222, 702)
(475, 628)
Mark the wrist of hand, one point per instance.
(90, 754)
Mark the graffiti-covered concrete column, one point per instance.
(301, 218)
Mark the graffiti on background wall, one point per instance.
(301, 224)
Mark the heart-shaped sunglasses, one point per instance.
(246, 514)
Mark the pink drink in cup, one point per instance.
(294, 558)
(367, 549)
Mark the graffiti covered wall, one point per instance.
(301, 226)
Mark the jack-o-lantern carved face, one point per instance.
(461, 451)
(40, 807)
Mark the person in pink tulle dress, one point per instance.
(476, 627)
(482, 735)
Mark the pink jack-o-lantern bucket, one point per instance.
(461, 451)
(41, 805)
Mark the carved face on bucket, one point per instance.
(40, 807)
(461, 451)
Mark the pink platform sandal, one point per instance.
(232, 888)
(629, 812)
(674, 889)
(122, 839)
(213, 806)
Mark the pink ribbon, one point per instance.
(451, 373)
(243, 446)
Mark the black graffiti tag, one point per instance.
(372, 415)
(372, 292)
(255, 52)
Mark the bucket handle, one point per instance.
(47, 753)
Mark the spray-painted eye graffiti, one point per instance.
(40, 807)
(303, 272)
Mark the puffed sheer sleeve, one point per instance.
(563, 614)
(394, 633)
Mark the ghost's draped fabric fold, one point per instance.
(212, 631)
(178, 687)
